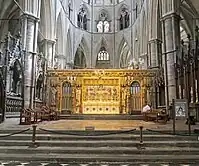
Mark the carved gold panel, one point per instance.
(99, 91)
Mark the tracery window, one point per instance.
(103, 55)
(82, 19)
(103, 25)
(124, 19)
(135, 88)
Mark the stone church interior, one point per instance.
(65, 64)
(98, 57)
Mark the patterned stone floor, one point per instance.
(14, 163)
(13, 123)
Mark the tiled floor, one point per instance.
(88, 164)
(112, 125)
(13, 123)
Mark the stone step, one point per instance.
(100, 150)
(121, 137)
(97, 132)
(36, 163)
(100, 143)
(51, 157)
(136, 116)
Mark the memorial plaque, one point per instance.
(181, 108)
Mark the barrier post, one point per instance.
(174, 116)
(33, 143)
(141, 135)
(140, 145)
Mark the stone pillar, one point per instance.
(29, 31)
(48, 49)
(155, 53)
(155, 62)
(49, 52)
(171, 42)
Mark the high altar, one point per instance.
(99, 91)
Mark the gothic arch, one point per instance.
(124, 54)
(80, 59)
(6, 12)
(102, 47)
(188, 16)
(81, 54)
(84, 46)
(102, 43)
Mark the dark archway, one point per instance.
(80, 60)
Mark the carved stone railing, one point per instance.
(13, 104)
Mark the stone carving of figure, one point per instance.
(39, 86)
(106, 26)
(85, 22)
(16, 76)
(124, 19)
(100, 27)
(82, 19)
(78, 19)
(54, 96)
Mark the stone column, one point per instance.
(155, 57)
(155, 53)
(171, 42)
(49, 51)
(29, 31)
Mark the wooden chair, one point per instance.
(25, 117)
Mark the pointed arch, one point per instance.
(124, 54)
(102, 43)
(103, 56)
(80, 60)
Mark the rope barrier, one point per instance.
(168, 133)
(19, 132)
(87, 133)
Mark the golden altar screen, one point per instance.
(101, 97)
(90, 91)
